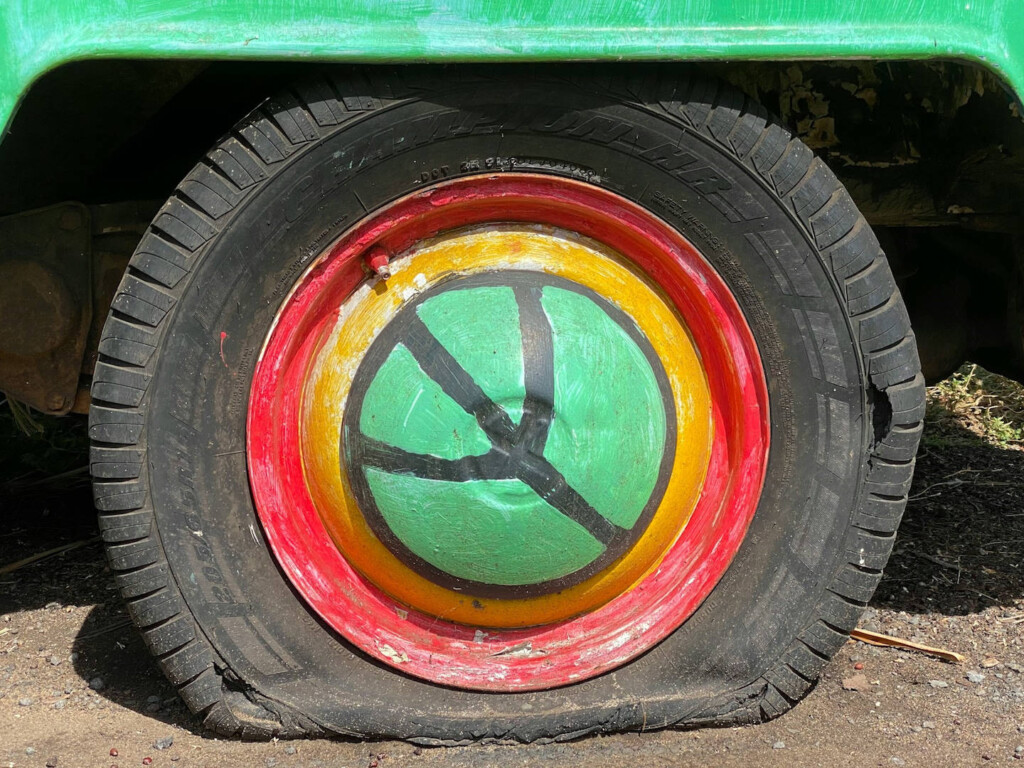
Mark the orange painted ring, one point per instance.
(541, 656)
(471, 252)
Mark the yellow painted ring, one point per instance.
(368, 311)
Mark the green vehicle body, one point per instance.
(39, 35)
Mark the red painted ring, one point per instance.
(540, 657)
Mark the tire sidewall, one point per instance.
(197, 403)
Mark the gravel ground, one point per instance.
(77, 686)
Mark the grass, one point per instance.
(976, 405)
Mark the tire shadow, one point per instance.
(960, 547)
(105, 650)
(109, 653)
(36, 521)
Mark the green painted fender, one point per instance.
(39, 35)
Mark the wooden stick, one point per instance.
(874, 638)
(10, 567)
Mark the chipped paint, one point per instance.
(395, 657)
(522, 650)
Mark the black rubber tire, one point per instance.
(169, 402)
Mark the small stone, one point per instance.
(271, 762)
(938, 684)
(73, 657)
(152, 699)
(989, 663)
(113, 752)
(154, 707)
(97, 684)
(897, 761)
(59, 704)
(30, 750)
(975, 677)
(1019, 749)
(290, 750)
(147, 761)
(51, 763)
(26, 702)
(916, 729)
(418, 751)
(779, 745)
(1014, 666)
(856, 683)
(164, 743)
(929, 724)
(51, 606)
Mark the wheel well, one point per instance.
(918, 142)
(109, 131)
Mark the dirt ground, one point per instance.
(77, 686)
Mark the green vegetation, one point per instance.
(974, 405)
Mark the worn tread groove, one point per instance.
(210, 164)
(793, 668)
(170, 239)
(814, 650)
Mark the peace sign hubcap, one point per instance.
(524, 456)
(509, 433)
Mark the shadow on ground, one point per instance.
(960, 548)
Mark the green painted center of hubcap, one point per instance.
(506, 433)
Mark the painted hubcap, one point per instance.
(509, 433)
(525, 456)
